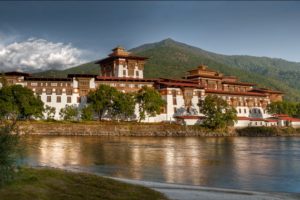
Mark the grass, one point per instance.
(53, 184)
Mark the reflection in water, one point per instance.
(249, 163)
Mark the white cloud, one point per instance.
(37, 55)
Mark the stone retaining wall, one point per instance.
(102, 129)
(134, 129)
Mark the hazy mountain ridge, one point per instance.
(169, 58)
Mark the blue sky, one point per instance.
(92, 29)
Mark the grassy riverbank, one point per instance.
(50, 184)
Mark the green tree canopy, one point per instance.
(17, 101)
(87, 113)
(69, 113)
(49, 112)
(218, 113)
(124, 106)
(102, 100)
(283, 107)
(150, 102)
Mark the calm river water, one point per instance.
(262, 164)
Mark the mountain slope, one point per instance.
(169, 58)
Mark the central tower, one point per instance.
(121, 63)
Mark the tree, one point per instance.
(124, 106)
(150, 102)
(283, 107)
(8, 148)
(17, 101)
(50, 112)
(87, 113)
(69, 113)
(218, 113)
(102, 100)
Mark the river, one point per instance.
(260, 164)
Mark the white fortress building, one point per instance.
(125, 71)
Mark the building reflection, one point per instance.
(221, 162)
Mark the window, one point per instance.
(137, 74)
(69, 92)
(174, 93)
(49, 91)
(245, 111)
(58, 99)
(69, 99)
(53, 84)
(39, 91)
(240, 111)
(175, 110)
(58, 91)
(259, 111)
(124, 72)
(78, 99)
(84, 83)
(48, 98)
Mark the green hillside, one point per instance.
(169, 58)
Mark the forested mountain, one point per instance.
(169, 58)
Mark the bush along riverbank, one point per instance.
(268, 131)
(31, 184)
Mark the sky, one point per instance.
(43, 35)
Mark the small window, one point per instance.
(58, 91)
(48, 98)
(124, 72)
(175, 110)
(58, 99)
(49, 91)
(69, 99)
(240, 111)
(245, 111)
(137, 74)
(69, 92)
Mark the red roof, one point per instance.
(271, 120)
(238, 83)
(107, 78)
(178, 84)
(190, 117)
(291, 119)
(264, 90)
(281, 115)
(243, 118)
(234, 93)
(257, 119)
(178, 80)
(204, 76)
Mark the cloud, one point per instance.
(35, 54)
